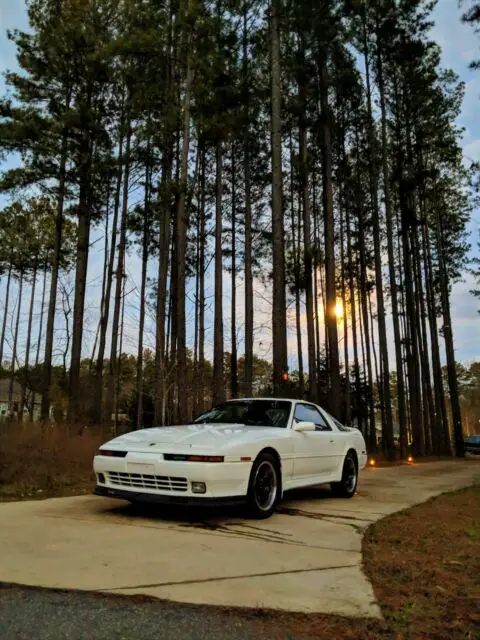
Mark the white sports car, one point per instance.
(242, 451)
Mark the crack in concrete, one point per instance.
(225, 578)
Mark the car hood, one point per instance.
(214, 438)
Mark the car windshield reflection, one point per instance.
(255, 413)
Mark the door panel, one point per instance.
(316, 452)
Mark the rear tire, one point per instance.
(347, 486)
(264, 487)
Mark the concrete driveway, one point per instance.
(305, 558)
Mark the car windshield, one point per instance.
(260, 413)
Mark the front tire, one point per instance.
(264, 487)
(347, 486)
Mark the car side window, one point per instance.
(308, 413)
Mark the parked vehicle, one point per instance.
(242, 451)
(472, 444)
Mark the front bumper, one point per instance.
(174, 500)
(170, 481)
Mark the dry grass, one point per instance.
(424, 564)
(41, 460)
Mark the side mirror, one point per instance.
(304, 426)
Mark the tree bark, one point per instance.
(143, 289)
(181, 248)
(40, 331)
(29, 342)
(384, 387)
(330, 286)
(15, 343)
(57, 256)
(391, 258)
(234, 364)
(448, 337)
(307, 247)
(83, 242)
(279, 318)
(248, 215)
(5, 313)
(109, 408)
(218, 390)
(99, 367)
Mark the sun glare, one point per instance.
(339, 310)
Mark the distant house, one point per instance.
(11, 411)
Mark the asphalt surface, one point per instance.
(41, 614)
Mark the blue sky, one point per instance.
(459, 46)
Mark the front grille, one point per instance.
(141, 481)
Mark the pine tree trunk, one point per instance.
(354, 319)
(15, 344)
(201, 319)
(118, 372)
(5, 313)
(347, 413)
(143, 291)
(40, 331)
(371, 436)
(448, 337)
(218, 390)
(109, 408)
(279, 318)
(307, 247)
(181, 249)
(23, 394)
(441, 416)
(384, 387)
(248, 215)
(234, 366)
(162, 281)
(391, 260)
(334, 400)
(75, 405)
(52, 304)
(296, 266)
(99, 366)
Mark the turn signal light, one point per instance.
(112, 454)
(372, 462)
(409, 459)
(173, 457)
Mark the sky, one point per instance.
(459, 46)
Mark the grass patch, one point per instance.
(424, 564)
(38, 461)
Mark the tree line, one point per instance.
(309, 146)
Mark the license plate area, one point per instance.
(142, 468)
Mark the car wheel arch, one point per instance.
(273, 452)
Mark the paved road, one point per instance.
(306, 558)
(27, 614)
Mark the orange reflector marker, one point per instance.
(245, 459)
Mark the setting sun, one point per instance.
(339, 310)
